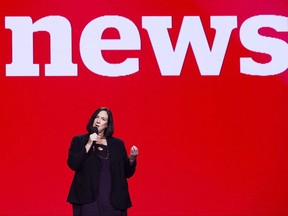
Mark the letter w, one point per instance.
(171, 61)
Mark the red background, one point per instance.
(209, 145)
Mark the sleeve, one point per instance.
(129, 168)
(77, 154)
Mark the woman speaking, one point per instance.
(101, 167)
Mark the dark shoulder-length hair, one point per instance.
(110, 126)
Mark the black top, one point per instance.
(101, 151)
(85, 184)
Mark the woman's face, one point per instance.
(101, 121)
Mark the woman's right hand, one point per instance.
(92, 138)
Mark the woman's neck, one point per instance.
(101, 136)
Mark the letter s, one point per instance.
(275, 47)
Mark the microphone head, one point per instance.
(94, 130)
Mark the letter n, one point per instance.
(22, 29)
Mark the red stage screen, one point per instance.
(200, 87)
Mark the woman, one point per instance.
(101, 166)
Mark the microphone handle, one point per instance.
(93, 145)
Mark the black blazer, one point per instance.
(84, 187)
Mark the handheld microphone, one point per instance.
(94, 130)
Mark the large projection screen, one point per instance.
(199, 86)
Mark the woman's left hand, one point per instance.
(133, 153)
